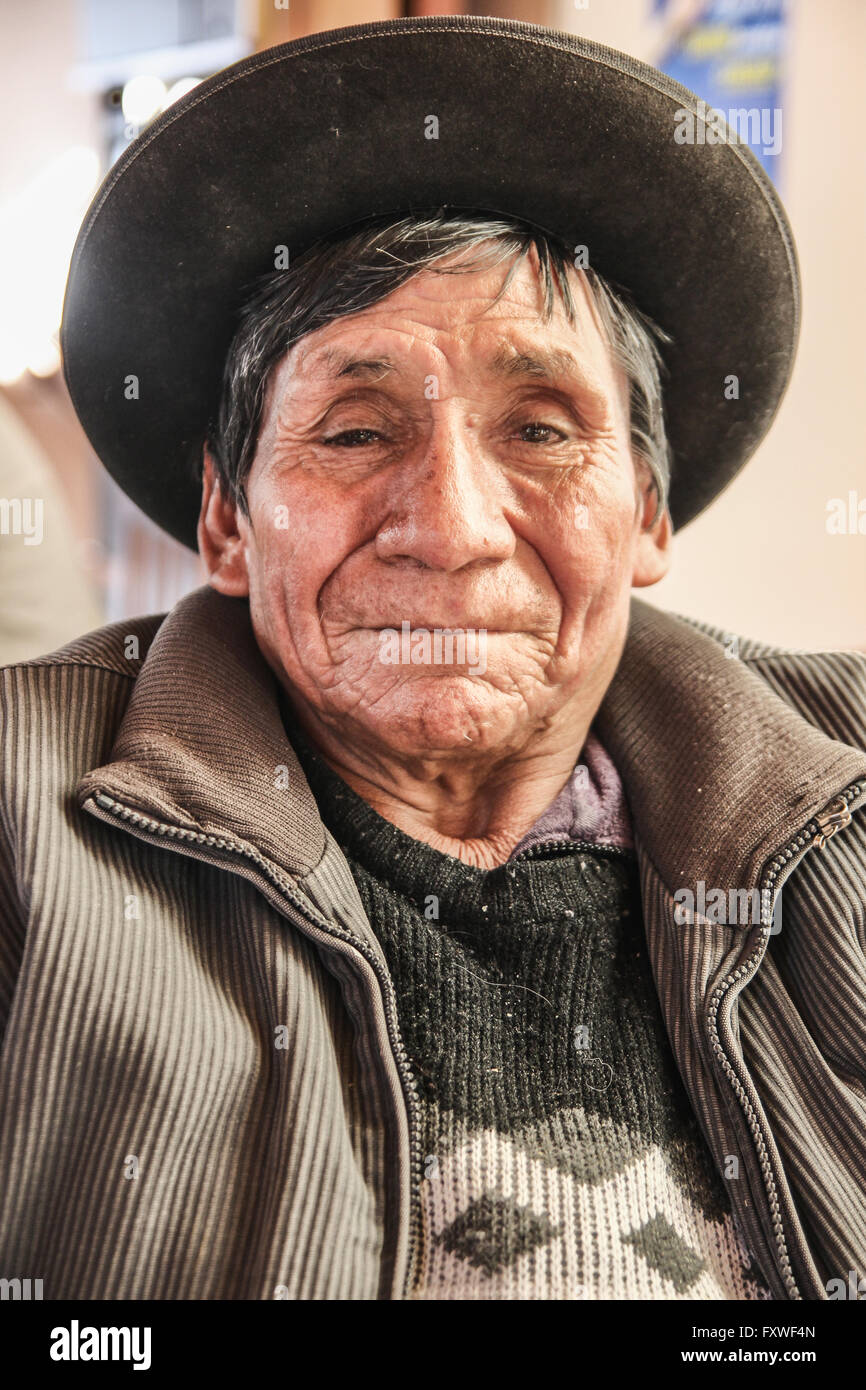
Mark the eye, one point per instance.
(349, 439)
(537, 427)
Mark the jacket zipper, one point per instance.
(410, 1090)
(821, 828)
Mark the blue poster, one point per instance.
(730, 54)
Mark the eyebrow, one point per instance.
(341, 364)
(546, 364)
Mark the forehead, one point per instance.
(469, 309)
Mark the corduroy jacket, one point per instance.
(203, 1090)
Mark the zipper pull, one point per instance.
(834, 817)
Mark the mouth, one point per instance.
(434, 627)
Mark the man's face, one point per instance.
(438, 462)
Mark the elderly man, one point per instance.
(399, 917)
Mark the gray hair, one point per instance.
(343, 274)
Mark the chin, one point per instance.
(444, 714)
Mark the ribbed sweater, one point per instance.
(562, 1157)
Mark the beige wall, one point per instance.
(39, 114)
(761, 561)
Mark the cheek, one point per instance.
(301, 536)
(586, 532)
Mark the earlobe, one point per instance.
(220, 543)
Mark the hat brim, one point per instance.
(292, 143)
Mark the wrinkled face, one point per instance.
(436, 464)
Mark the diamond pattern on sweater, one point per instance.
(667, 1252)
(494, 1231)
(631, 1232)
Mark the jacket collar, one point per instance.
(719, 771)
(201, 743)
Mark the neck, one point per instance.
(473, 812)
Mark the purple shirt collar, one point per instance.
(590, 807)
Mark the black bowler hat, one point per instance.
(321, 133)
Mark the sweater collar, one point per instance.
(719, 771)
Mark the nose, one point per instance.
(447, 509)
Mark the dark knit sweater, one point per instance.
(563, 1159)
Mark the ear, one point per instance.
(655, 541)
(220, 543)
